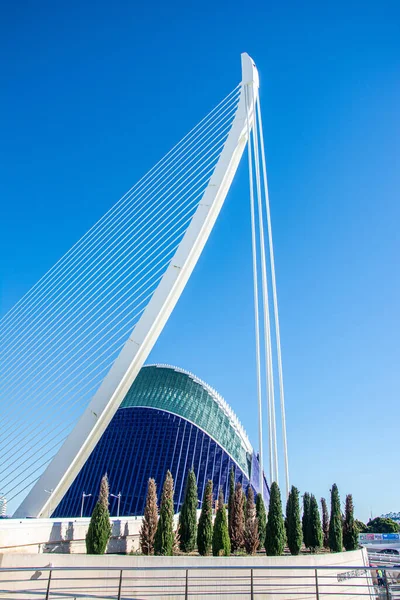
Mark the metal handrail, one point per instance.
(316, 584)
(349, 568)
(385, 557)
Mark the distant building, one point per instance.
(172, 420)
(3, 506)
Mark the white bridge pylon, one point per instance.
(206, 184)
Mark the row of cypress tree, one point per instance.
(333, 533)
(246, 527)
(228, 533)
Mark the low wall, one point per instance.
(36, 536)
(66, 536)
(228, 581)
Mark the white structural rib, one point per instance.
(73, 454)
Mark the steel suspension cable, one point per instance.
(255, 293)
(67, 363)
(275, 300)
(143, 219)
(93, 290)
(88, 234)
(74, 322)
(267, 328)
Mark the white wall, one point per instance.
(35, 536)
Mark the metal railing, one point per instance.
(200, 581)
(383, 559)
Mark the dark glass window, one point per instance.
(140, 443)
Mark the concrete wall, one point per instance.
(35, 536)
(143, 583)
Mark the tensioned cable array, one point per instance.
(61, 338)
(265, 376)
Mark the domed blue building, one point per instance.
(172, 420)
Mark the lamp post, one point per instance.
(119, 501)
(83, 500)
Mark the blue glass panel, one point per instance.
(140, 443)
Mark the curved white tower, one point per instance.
(71, 456)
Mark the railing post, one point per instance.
(386, 584)
(120, 585)
(187, 584)
(48, 585)
(251, 585)
(316, 584)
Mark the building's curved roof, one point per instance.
(177, 391)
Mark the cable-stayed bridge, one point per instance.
(73, 345)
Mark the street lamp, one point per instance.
(83, 500)
(119, 501)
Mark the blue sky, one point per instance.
(93, 94)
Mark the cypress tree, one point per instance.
(99, 531)
(150, 518)
(306, 519)
(237, 523)
(350, 529)
(315, 533)
(244, 503)
(288, 509)
(165, 536)
(177, 541)
(188, 515)
(294, 530)
(275, 537)
(205, 529)
(230, 500)
(335, 525)
(261, 519)
(220, 541)
(251, 540)
(104, 491)
(325, 523)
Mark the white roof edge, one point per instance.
(233, 419)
